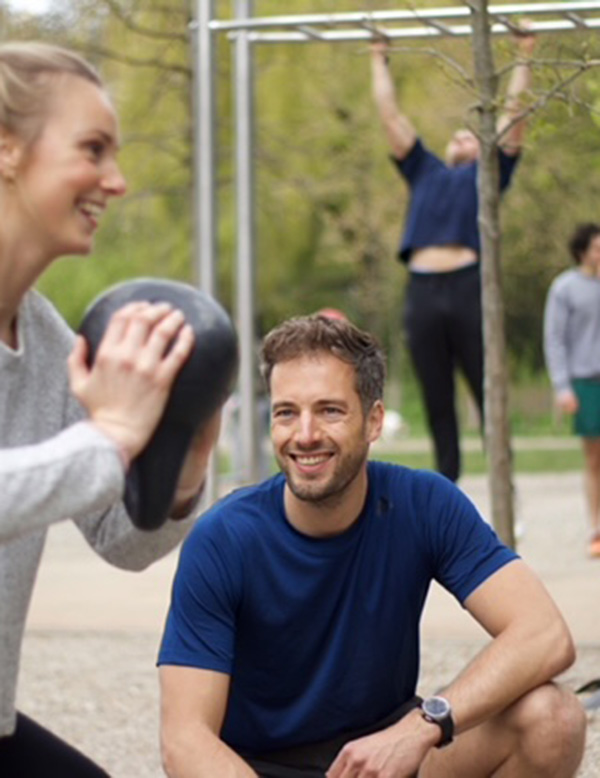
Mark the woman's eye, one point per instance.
(96, 148)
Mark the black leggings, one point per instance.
(34, 752)
(444, 328)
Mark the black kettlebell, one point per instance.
(203, 384)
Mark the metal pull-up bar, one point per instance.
(411, 23)
(245, 30)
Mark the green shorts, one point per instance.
(586, 421)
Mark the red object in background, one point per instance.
(332, 313)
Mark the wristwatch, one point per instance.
(437, 710)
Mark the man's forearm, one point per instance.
(510, 126)
(203, 756)
(383, 88)
(398, 128)
(519, 84)
(514, 663)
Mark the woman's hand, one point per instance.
(126, 389)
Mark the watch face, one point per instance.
(436, 707)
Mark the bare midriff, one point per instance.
(441, 259)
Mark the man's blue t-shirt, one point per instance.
(321, 636)
(443, 205)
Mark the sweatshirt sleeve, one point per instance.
(556, 317)
(78, 474)
(56, 465)
(108, 529)
(66, 476)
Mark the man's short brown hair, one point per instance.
(306, 336)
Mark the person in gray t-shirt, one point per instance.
(68, 432)
(572, 351)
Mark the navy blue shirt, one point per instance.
(443, 204)
(321, 636)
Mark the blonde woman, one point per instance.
(67, 432)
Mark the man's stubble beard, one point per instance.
(331, 493)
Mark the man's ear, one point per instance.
(375, 421)
(11, 150)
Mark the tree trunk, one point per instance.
(496, 425)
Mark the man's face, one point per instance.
(463, 147)
(319, 432)
(591, 257)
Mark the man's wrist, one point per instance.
(437, 711)
(428, 734)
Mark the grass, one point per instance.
(532, 419)
(531, 407)
(475, 463)
(526, 460)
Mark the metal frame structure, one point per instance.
(245, 31)
(410, 23)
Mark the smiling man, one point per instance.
(291, 648)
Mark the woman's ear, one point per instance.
(11, 149)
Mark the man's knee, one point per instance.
(550, 725)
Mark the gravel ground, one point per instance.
(88, 663)
(105, 698)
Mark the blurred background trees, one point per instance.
(329, 202)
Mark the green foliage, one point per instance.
(329, 206)
(144, 56)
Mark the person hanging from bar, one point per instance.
(441, 246)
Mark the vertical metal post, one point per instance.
(244, 121)
(205, 151)
(205, 199)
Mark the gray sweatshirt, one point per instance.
(572, 328)
(54, 465)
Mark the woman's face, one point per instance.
(64, 180)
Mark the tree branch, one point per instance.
(147, 62)
(127, 20)
(544, 99)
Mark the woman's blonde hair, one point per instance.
(26, 71)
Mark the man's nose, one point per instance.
(307, 429)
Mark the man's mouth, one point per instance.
(311, 464)
(311, 460)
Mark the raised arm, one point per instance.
(398, 128)
(510, 128)
(193, 705)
